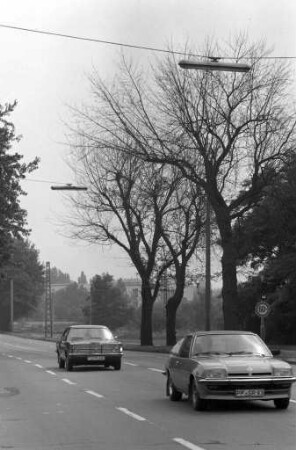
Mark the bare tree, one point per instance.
(228, 133)
(148, 210)
(182, 231)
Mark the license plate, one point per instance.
(253, 393)
(96, 358)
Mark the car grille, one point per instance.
(90, 349)
(253, 374)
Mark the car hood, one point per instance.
(242, 365)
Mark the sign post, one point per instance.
(262, 310)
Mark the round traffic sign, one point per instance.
(262, 309)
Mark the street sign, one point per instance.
(262, 309)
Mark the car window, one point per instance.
(175, 350)
(229, 344)
(77, 334)
(185, 348)
(65, 334)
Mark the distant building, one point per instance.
(55, 287)
(133, 289)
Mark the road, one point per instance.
(45, 408)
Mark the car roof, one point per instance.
(87, 326)
(221, 332)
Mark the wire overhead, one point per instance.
(120, 44)
(98, 41)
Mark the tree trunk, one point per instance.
(146, 334)
(171, 312)
(172, 307)
(229, 290)
(229, 265)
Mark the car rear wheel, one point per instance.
(281, 403)
(198, 404)
(68, 364)
(171, 391)
(117, 365)
(61, 362)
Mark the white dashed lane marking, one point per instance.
(39, 366)
(68, 381)
(155, 370)
(95, 394)
(293, 401)
(50, 372)
(187, 444)
(27, 361)
(131, 414)
(131, 364)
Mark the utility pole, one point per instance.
(208, 290)
(48, 309)
(11, 304)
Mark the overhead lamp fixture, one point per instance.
(214, 64)
(68, 187)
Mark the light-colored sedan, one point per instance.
(226, 365)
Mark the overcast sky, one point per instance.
(45, 73)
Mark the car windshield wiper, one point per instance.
(209, 353)
(245, 353)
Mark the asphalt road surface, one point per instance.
(45, 408)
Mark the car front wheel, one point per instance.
(61, 362)
(117, 365)
(68, 364)
(198, 404)
(281, 403)
(171, 391)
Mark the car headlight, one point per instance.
(215, 373)
(118, 349)
(282, 372)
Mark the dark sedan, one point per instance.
(226, 365)
(88, 344)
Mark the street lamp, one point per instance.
(49, 306)
(214, 64)
(211, 65)
(68, 187)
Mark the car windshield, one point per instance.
(90, 333)
(230, 344)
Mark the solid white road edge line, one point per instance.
(155, 370)
(131, 414)
(95, 394)
(68, 381)
(187, 444)
(50, 372)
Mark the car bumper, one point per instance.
(246, 388)
(94, 359)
